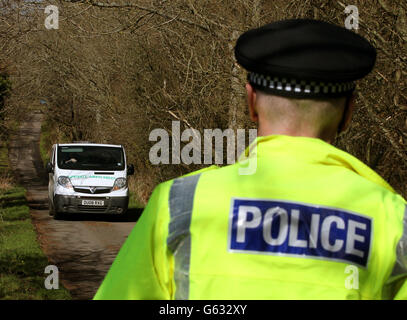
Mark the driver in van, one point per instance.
(71, 159)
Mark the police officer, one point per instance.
(311, 221)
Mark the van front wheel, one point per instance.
(58, 215)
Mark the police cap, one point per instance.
(304, 58)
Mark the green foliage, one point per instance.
(5, 88)
(4, 165)
(134, 203)
(45, 142)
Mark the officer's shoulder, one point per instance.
(200, 171)
(166, 185)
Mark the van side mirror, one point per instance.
(130, 170)
(49, 167)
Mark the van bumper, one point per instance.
(73, 204)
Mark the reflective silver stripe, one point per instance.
(400, 267)
(179, 238)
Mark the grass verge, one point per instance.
(22, 262)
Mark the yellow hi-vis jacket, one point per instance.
(309, 222)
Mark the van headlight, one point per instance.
(119, 183)
(65, 182)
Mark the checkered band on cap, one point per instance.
(295, 87)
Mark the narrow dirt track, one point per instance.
(82, 247)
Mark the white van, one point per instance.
(88, 178)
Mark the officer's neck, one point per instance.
(266, 129)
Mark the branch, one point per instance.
(136, 6)
(386, 132)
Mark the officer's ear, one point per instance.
(251, 101)
(347, 114)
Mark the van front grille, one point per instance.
(96, 190)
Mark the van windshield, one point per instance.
(90, 158)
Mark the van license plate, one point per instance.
(93, 203)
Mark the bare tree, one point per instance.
(114, 71)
